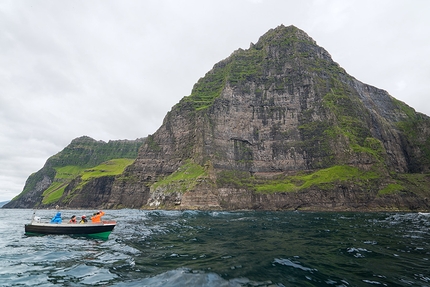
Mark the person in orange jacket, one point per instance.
(97, 218)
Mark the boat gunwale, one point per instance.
(70, 225)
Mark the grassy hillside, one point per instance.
(66, 174)
(185, 178)
(83, 158)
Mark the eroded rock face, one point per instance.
(34, 195)
(92, 194)
(280, 107)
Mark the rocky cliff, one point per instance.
(282, 126)
(277, 126)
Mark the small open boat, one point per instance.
(100, 230)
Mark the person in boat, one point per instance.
(73, 219)
(57, 218)
(97, 217)
(83, 219)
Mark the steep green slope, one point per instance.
(83, 158)
(64, 175)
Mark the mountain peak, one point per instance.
(283, 34)
(276, 54)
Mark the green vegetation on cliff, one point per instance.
(63, 176)
(185, 178)
(84, 158)
(250, 65)
(258, 65)
(241, 66)
(87, 152)
(320, 179)
(66, 174)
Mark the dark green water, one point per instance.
(192, 248)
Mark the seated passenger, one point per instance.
(73, 219)
(97, 218)
(57, 218)
(83, 219)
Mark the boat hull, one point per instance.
(101, 230)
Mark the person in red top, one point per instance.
(73, 219)
(97, 218)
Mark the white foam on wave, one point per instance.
(186, 277)
(287, 262)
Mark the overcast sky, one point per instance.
(113, 69)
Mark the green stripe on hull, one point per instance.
(100, 235)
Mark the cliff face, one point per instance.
(265, 118)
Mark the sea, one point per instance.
(221, 248)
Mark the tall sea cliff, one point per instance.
(277, 126)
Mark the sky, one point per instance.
(111, 70)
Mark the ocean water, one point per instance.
(244, 248)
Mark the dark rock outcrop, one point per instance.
(281, 108)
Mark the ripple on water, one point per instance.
(187, 277)
(89, 275)
(195, 248)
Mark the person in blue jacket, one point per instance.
(57, 218)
